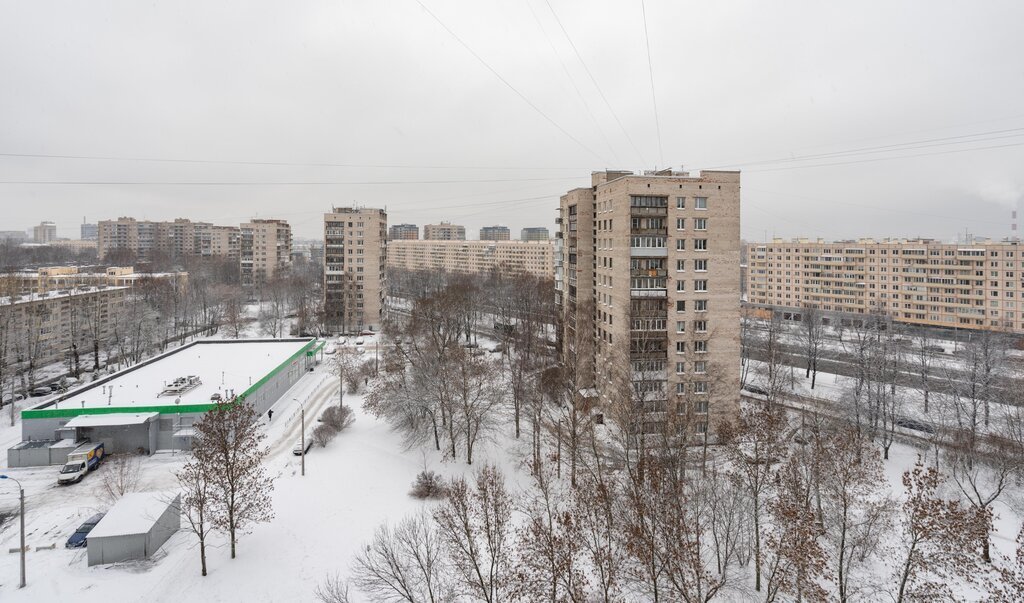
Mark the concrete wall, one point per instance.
(114, 549)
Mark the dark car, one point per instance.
(80, 537)
(915, 425)
(755, 390)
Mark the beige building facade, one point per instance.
(445, 231)
(977, 285)
(355, 258)
(265, 251)
(55, 278)
(474, 257)
(648, 286)
(49, 323)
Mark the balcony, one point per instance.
(648, 293)
(648, 252)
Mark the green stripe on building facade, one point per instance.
(164, 409)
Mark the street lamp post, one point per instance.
(21, 492)
(302, 442)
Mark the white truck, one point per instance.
(82, 460)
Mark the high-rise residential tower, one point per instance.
(265, 249)
(534, 234)
(649, 288)
(445, 231)
(355, 258)
(495, 233)
(404, 232)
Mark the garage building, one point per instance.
(134, 528)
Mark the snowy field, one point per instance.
(360, 480)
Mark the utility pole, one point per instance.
(21, 492)
(302, 436)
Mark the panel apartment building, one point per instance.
(355, 258)
(180, 238)
(445, 231)
(495, 233)
(265, 250)
(404, 232)
(648, 287)
(474, 257)
(977, 285)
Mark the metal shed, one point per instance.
(135, 527)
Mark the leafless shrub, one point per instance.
(428, 484)
(323, 434)
(338, 418)
(120, 477)
(332, 590)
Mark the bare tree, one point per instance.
(476, 398)
(853, 516)
(923, 361)
(796, 562)
(120, 477)
(755, 446)
(772, 374)
(475, 523)
(812, 333)
(404, 564)
(549, 553)
(332, 590)
(229, 441)
(197, 503)
(937, 539)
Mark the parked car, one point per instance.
(8, 398)
(215, 397)
(915, 425)
(755, 390)
(342, 341)
(80, 538)
(54, 387)
(328, 350)
(297, 450)
(360, 341)
(41, 391)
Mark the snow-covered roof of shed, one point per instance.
(135, 513)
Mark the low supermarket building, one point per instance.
(154, 404)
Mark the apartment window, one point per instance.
(700, 367)
(680, 368)
(680, 305)
(680, 347)
(700, 244)
(700, 224)
(680, 388)
(680, 223)
(680, 265)
(700, 305)
(701, 347)
(680, 244)
(700, 326)
(700, 387)
(701, 427)
(680, 326)
(700, 265)
(700, 202)
(680, 202)
(680, 286)
(700, 285)
(701, 408)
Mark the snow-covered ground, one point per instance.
(358, 481)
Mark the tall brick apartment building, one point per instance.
(649, 286)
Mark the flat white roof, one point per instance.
(135, 513)
(221, 367)
(111, 420)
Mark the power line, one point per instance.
(281, 163)
(596, 85)
(650, 70)
(572, 80)
(901, 146)
(800, 167)
(507, 84)
(298, 183)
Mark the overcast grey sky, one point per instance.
(877, 89)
